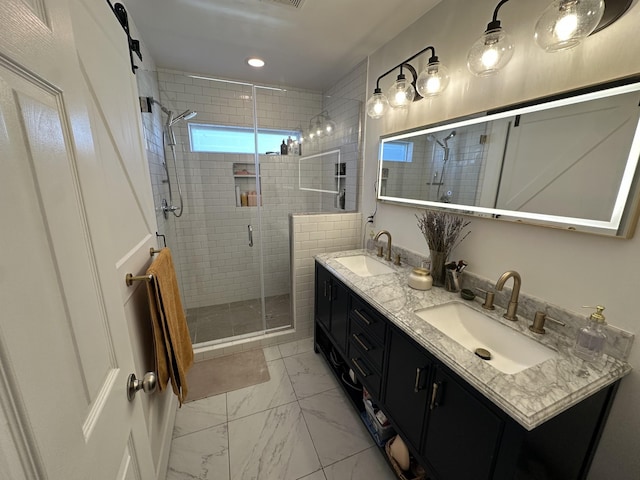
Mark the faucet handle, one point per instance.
(538, 322)
(398, 260)
(488, 299)
(380, 254)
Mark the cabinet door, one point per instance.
(462, 434)
(406, 395)
(339, 313)
(323, 300)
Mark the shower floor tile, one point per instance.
(216, 322)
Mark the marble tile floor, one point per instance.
(297, 426)
(228, 320)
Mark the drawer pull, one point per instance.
(362, 317)
(360, 342)
(360, 369)
(325, 288)
(416, 386)
(434, 395)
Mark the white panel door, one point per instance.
(65, 349)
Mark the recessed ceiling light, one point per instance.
(255, 62)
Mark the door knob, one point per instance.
(149, 383)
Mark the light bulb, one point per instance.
(401, 93)
(565, 23)
(490, 57)
(329, 126)
(433, 79)
(377, 105)
(491, 52)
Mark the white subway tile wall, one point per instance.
(310, 236)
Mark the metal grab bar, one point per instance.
(250, 228)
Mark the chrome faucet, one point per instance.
(512, 309)
(375, 239)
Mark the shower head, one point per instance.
(450, 136)
(186, 115)
(171, 121)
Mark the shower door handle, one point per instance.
(250, 228)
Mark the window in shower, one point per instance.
(225, 139)
(397, 151)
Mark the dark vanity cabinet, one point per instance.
(459, 422)
(437, 415)
(408, 387)
(453, 430)
(331, 306)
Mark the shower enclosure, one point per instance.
(231, 244)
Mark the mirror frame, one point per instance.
(625, 212)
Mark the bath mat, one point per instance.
(225, 374)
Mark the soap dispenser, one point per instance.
(591, 339)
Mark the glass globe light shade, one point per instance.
(491, 52)
(401, 93)
(319, 129)
(377, 105)
(311, 135)
(433, 79)
(329, 127)
(565, 23)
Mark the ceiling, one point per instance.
(308, 47)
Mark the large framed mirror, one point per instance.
(569, 161)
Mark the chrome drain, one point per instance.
(483, 353)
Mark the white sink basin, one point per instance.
(364, 266)
(511, 351)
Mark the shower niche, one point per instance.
(246, 188)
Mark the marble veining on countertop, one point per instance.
(531, 396)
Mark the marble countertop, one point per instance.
(531, 396)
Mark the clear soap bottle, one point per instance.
(591, 339)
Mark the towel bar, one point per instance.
(129, 278)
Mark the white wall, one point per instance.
(564, 268)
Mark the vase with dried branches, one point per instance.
(443, 233)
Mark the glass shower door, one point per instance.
(218, 237)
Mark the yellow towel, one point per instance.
(174, 352)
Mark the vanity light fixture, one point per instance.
(320, 125)
(493, 50)
(431, 81)
(565, 23)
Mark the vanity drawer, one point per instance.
(364, 371)
(368, 346)
(371, 321)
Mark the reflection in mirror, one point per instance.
(568, 162)
(320, 172)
